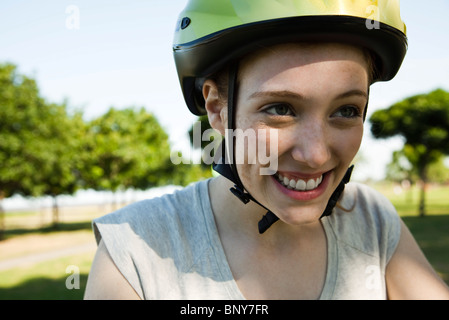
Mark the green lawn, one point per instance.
(46, 280)
(406, 202)
(432, 234)
(31, 232)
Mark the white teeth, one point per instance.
(300, 185)
(311, 184)
(293, 183)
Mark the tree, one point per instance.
(423, 122)
(125, 149)
(400, 167)
(61, 148)
(47, 150)
(20, 107)
(38, 142)
(439, 172)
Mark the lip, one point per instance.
(304, 195)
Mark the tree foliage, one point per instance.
(47, 150)
(125, 148)
(128, 148)
(40, 141)
(423, 122)
(20, 107)
(400, 169)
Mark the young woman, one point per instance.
(300, 69)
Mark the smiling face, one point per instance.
(313, 96)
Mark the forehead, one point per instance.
(306, 64)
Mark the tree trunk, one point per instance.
(2, 217)
(422, 200)
(55, 212)
(2, 221)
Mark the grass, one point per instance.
(31, 232)
(46, 280)
(406, 201)
(432, 235)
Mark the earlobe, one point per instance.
(216, 110)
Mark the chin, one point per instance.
(301, 215)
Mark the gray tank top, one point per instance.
(169, 247)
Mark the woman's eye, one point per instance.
(279, 110)
(348, 112)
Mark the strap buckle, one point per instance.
(239, 193)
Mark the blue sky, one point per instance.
(121, 56)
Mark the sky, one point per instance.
(119, 53)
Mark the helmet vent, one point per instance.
(185, 22)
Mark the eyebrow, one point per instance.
(277, 94)
(352, 93)
(293, 95)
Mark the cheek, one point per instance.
(244, 122)
(256, 153)
(257, 146)
(347, 143)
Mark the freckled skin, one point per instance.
(312, 141)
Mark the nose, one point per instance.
(312, 144)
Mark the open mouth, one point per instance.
(298, 184)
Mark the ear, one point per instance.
(215, 107)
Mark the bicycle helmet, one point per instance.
(212, 34)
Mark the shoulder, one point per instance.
(155, 217)
(105, 282)
(367, 197)
(366, 220)
(366, 203)
(140, 237)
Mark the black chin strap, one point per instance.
(227, 168)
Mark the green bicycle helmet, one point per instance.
(211, 34)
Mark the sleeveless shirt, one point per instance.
(169, 248)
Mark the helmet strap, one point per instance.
(226, 165)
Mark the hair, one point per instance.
(339, 206)
(221, 77)
(373, 71)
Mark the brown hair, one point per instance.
(221, 78)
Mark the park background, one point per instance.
(119, 55)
